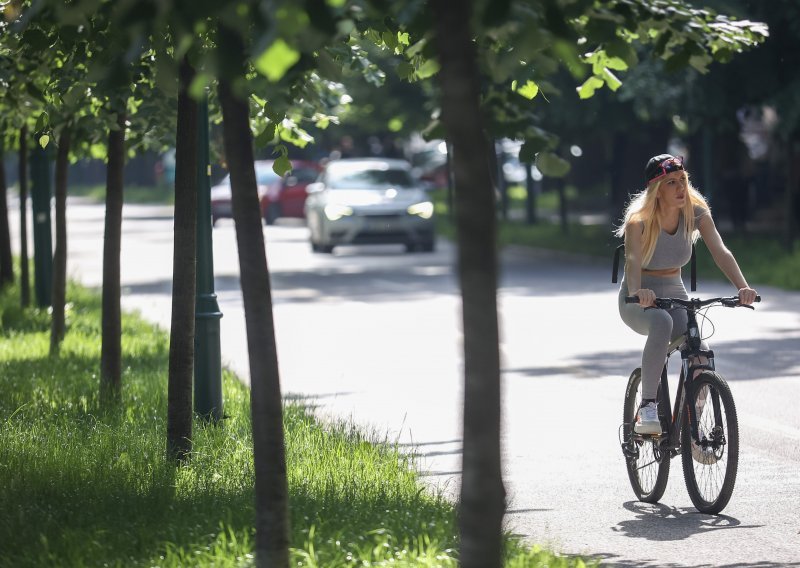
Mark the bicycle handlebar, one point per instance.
(696, 303)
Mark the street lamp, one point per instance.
(207, 358)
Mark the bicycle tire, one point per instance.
(648, 476)
(710, 472)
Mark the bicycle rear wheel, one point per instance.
(648, 467)
(709, 468)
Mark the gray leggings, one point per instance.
(660, 326)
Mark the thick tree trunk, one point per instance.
(181, 342)
(272, 522)
(24, 263)
(482, 494)
(6, 260)
(60, 255)
(111, 350)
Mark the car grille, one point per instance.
(382, 216)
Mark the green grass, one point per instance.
(84, 487)
(762, 258)
(161, 194)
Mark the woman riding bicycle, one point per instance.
(659, 227)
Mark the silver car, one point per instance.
(369, 201)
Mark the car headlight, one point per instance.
(424, 209)
(334, 211)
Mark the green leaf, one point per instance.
(282, 165)
(276, 60)
(616, 63)
(586, 91)
(428, 69)
(551, 165)
(611, 80)
(42, 122)
(44, 140)
(197, 89)
(531, 147)
(395, 124)
(405, 70)
(701, 62)
(266, 136)
(529, 90)
(621, 49)
(389, 39)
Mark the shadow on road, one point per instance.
(657, 522)
(777, 357)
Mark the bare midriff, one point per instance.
(662, 272)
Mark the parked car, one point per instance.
(369, 201)
(286, 197)
(278, 196)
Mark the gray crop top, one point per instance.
(674, 251)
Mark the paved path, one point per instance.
(372, 335)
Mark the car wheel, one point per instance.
(316, 247)
(273, 212)
(427, 246)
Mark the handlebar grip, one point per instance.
(758, 298)
(631, 299)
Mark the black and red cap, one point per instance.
(662, 165)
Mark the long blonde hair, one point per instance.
(645, 208)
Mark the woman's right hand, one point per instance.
(646, 297)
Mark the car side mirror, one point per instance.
(315, 187)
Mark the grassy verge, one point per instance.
(82, 487)
(132, 193)
(762, 258)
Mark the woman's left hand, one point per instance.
(747, 295)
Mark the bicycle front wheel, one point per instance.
(710, 462)
(648, 467)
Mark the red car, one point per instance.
(286, 196)
(278, 196)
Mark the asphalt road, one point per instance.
(373, 335)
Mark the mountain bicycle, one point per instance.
(703, 427)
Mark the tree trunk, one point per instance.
(6, 259)
(482, 494)
(24, 263)
(60, 254)
(563, 206)
(269, 453)
(111, 350)
(792, 182)
(181, 342)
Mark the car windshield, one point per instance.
(368, 178)
(265, 175)
(304, 175)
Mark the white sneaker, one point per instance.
(647, 421)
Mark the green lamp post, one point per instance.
(42, 233)
(207, 357)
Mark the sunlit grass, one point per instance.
(83, 487)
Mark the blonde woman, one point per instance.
(659, 227)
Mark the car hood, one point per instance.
(221, 192)
(377, 198)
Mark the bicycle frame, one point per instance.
(691, 355)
